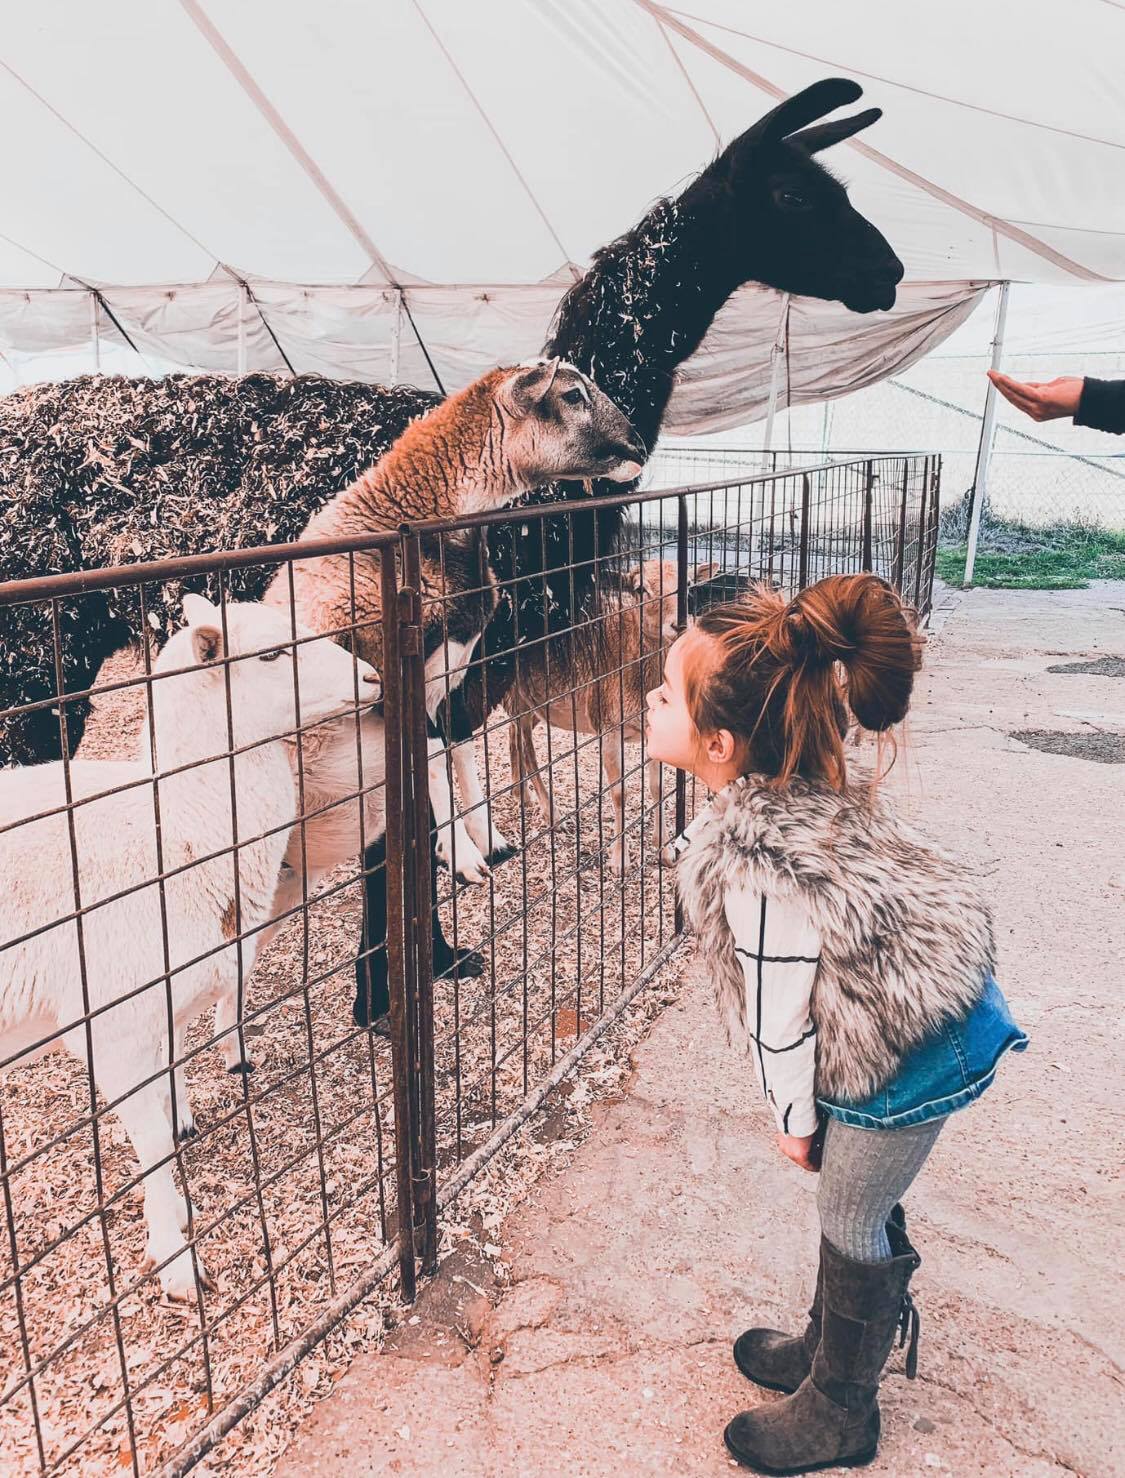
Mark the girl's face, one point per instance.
(670, 730)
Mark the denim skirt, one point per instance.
(947, 1071)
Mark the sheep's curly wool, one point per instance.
(906, 939)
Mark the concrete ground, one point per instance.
(606, 1351)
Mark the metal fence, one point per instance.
(310, 1179)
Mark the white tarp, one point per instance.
(383, 176)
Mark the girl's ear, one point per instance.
(721, 747)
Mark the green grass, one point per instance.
(1015, 557)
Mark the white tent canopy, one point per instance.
(403, 190)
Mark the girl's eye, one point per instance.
(270, 656)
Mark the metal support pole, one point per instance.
(921, 538)
(868, 500)
(94, 334)
(681, 622)
(242, 307)
(900, 542)
(777, 355)
(987, 431)
(803, 547)
(425, 1185)
(399, 822)
(396, 338)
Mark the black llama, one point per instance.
(764, 211)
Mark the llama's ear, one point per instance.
(635, 579)
(805, 107)
(824, 135)
(526, 386)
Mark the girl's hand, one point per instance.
(802, 1149)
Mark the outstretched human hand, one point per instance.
(1041, 401)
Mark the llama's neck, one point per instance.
(647, 302)
(447, 465)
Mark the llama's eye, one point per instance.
(791, 200)
(574, 397)
(270, 656)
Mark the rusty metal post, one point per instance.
(425, 1186)
(868, 498)
(399, 821)
(900, 543)
(681, 622)
(922, 538)
(803, 547)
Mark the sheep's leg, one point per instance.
(226, 1029)
(653, 776)
(478, 812)
(454, 847)
(534, 774)
(613, 765)
(185, 1119)
(146, 1115)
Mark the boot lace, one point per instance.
(909, 1323)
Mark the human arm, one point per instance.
(778, 949)
(1099, 404)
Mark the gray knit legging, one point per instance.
(863, 1173)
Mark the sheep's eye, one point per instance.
(574, 397)
(270, 656)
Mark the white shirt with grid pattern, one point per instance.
(779, 949)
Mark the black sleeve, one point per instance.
(1102, 405)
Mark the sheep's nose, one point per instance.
(371, 677)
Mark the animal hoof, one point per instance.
(187, 1131)
(381, 1026)
(467, 963)
(502, 854)
(244, 1067)
(474, 876)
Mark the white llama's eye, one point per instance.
(270, 656)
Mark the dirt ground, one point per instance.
(592, 1334)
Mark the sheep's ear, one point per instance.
(704, 572)
(205, 624)
(635, 579)
(207, 643)
(526, 386)
(824, 135)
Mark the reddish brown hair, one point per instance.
(783, 675)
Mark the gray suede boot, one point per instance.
(779, 1361)
(832, 1420)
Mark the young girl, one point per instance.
(850, 958)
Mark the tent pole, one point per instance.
(94, 335)
(396, 337)
(987, 434)
(776, 354)
(242, 328)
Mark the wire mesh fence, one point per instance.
(291, 1031)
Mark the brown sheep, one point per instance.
(602, 690)
(510, 431)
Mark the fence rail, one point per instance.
(404, 1025)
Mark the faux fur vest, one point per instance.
(906, 939)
